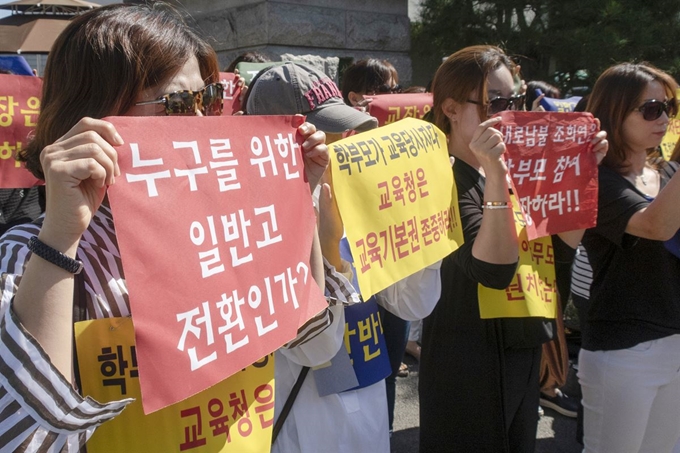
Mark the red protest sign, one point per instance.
(19, 107)
(390, 108)
(232, 92)
(553, 171)
(214, 221)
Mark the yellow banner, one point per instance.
(235, 415)
(672, 133)
(533, 290)
(395, 191)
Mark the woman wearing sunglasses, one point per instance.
(114, 60)
(629, 365)
(479, 378)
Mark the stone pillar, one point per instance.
(349, 29)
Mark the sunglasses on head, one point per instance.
(652, 110)
(500, 104)
(208, 100)
(387, 89)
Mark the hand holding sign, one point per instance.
(487, 145)
(315, 153)
(78, 167)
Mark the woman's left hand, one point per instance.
(600, 144)
(315, 153)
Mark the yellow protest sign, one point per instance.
(395, 192)
(672, 133)
(533, 290)
(235, 415)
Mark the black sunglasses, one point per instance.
(385, 89)
(208, 100)
(652, 110)
(500, 104)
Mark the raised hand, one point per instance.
(315, 153)
(78, 167)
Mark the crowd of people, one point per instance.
(481, 381)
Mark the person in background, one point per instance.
(630, 354)
(353, 420)
(533, 99)
(248, 57)
(366, 78)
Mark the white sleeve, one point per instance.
(415, 296)
(321, 346)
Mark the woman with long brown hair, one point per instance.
(629, 365)
(112, 61)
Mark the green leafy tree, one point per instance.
(568, 42)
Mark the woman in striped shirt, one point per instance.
(107, 62)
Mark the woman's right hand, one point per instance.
(488, 146)
(78, 168)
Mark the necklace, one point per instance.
(643, 178)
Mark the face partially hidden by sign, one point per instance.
(322, 90)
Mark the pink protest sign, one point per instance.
(390, 108)
(553, 169)
(19, 108)
(232, 93)
(214, 221)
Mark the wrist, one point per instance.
(64, 243)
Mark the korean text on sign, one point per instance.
(672, 134)
(19, 108)
(232, 92)
(553, 169)
(235, 415)
(396, 196)
(214, 220)
(390, 108)
(533, 290)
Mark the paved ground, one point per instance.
(556, 434)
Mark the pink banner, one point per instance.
(19, 108)
(214, 221)
(390, 108)
(553, 169)
(232, 93)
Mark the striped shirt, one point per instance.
(39, 409)
(581, 274)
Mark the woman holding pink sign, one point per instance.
(629, 364)
(112, 61)
(479, 381)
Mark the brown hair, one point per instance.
(367, 75)
(675, 156)
(462, 73)
(104, 59)
(617, 92)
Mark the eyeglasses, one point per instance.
(208, 100)
(500, 104)
(385, 89)
(652, 110)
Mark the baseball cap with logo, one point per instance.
(296, 88)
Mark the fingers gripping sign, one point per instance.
(78, 167)
(487, 142)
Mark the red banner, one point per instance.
(214, 221)
(553, 169)
(19, 107)
(232, 92)
(390, 108)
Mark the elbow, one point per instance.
(497, 277)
